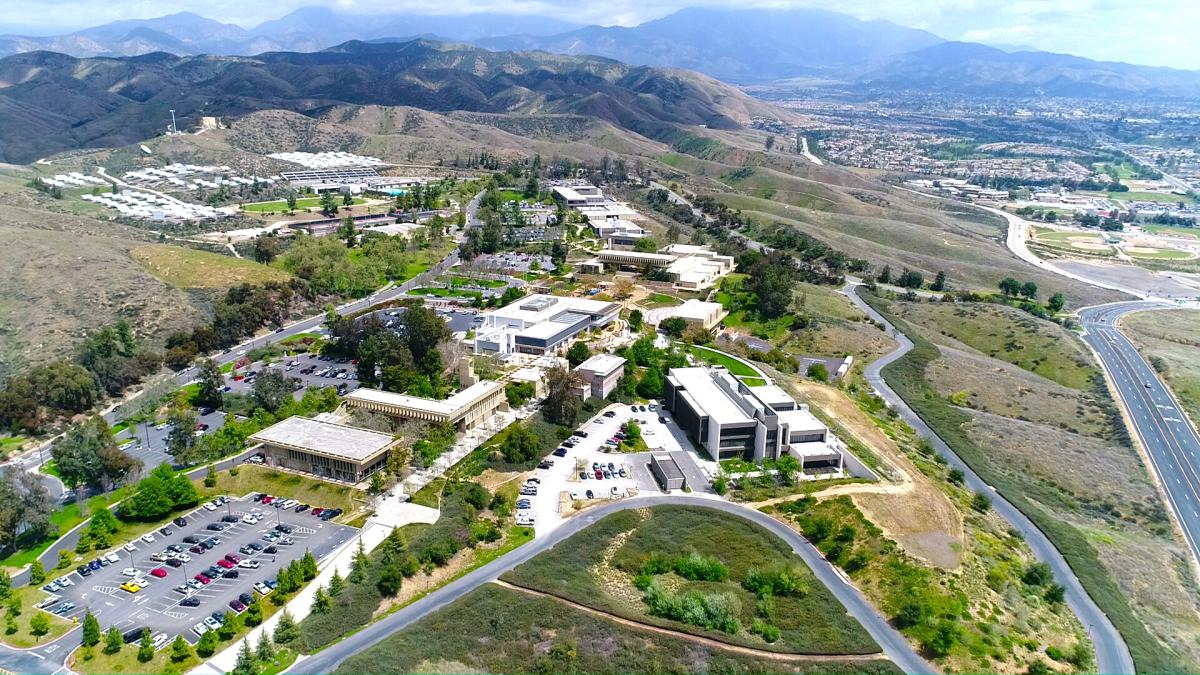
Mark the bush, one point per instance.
(712, 611)
(779, 580)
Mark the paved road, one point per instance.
(1112, 656)
(1163, 429)
(891, 642)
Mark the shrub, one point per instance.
(781, 579)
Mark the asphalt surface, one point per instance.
(1112, 655)
(890, 641)
(1163, 429)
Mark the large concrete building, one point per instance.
(541, 324)
(691, 268)
(695, 313)
(465, 410)
(333, 451)
(730, 419)
(600, 374)
(618, 233)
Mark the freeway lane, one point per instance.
(1166, 435)
(890, 641)
(1112, 655)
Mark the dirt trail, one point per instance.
(909, 508)
(708, 642)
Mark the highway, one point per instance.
(1163, 430)
(890, 641)
(1112, 655)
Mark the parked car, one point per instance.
(230, 574)
(225, 564)
(202, 578)
(165, 531)
(272, 549)
(84, 570)
(174, 562)
(158, 572)
(130, 587)
(190, 602)
(180, 521)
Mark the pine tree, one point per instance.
(245, 660)
(180, 651)
(5, 585)
(286, 630)
(113, 640)
(336, 585)
(265, 652)
(207, 646)
(309, 566)
(91, 629)
(145, 646)
(320, 603)
(358, 566)
(37, 573)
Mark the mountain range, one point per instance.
(51, 102)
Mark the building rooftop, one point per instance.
(801, 420)
(325, 438)
(541, 307)
(771, 394)
(699, 386)
(669, 468)
(448, 407)
(696, 309)
(603, 364)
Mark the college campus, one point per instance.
(740, 339)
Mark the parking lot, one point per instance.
(162, 587)
(574, 475)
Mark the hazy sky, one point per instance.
(1160, 33)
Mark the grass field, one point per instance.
(1150, 197)
(61, 522)
(500, 630)
(23, 638)
(598, 566)
(1007, 334)
(10, 444)
(1171, 340)
(1193, 232)
(1157, 253)
(191, 268)
(716, 357)
(302, 203)
(126, 661)
(1099, 537)
(320, 493)
(481, 283)
(446, 293)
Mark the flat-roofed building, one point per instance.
(579, 194)
(600, 374)
(465, 409)
(541, 324)
(697, 313)
(667, 472)
(730, 419)
(618, 233)
(334, 451)
(691, 268)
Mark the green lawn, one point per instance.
(1150, 197)
(446, 293)
(1193, 232)
(10, 444)
(62, 521)
(192, 268)
(656, 300)
(1160, 254)
(712, 356)
(809, 622)
(302, 203)
(320, 493)
(482, 283)
(23, 638)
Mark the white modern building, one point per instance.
(618, 233)
(691, 268)
(600, 374)
(696, 313)
(541, 324)
(333, 451)
(731, 419)
(466, 409)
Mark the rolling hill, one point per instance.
(53, 102)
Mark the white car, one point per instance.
(148, 538)
(112, 557)
(526, 521)
(616, 492)
(183, 557)
(130, 547)
(249, 519)
(65, 581)
(129, 572)
(200, 629)
(209, 506)
(194, 584)
(160, 641)
(249, 564)
(212, 623)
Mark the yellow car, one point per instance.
(130, 587)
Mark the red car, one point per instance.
(158, 572)
(233, 558)
(202, 579)
(268, 499)
(599, 474)
(225, 563)
(317, 512)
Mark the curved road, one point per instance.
(890, 641)
(1167, 436)
(1112, 656)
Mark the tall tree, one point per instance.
(182, 436)
(212, 382)
(272, 389)
(561, 405)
